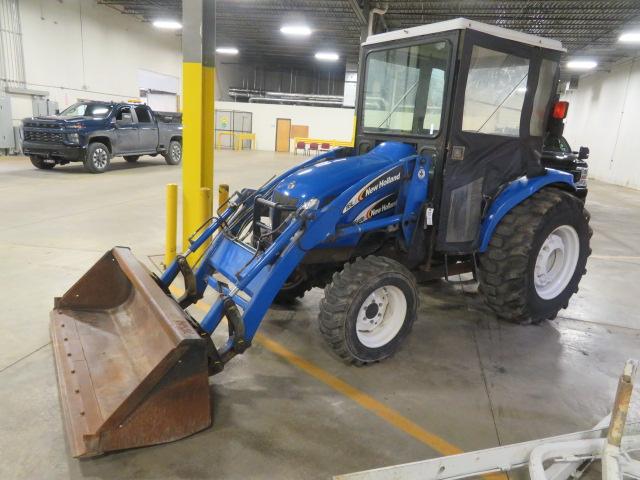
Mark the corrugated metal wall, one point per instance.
(11, 54)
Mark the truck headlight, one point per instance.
(73, 137)
(584, 172)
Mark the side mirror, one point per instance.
(57, 111)
(583, 153)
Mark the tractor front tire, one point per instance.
(368, 309)
(536, 257)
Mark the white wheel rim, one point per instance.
(556, 262)
(175, 152)
(381, 316)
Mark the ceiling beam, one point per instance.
(358, 12)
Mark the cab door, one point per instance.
(496, 131)
(147, 129)
(126, 130)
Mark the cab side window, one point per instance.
(143, 114)
(496, 86)
(124, 115)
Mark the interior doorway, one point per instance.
(283, 134)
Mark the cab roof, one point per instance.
(461, 24)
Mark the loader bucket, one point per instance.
(132, 370)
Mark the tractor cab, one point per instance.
(474, 97)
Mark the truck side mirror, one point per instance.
(583, 153)
(57, 111)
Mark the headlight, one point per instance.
(73, 137)
(584, 172)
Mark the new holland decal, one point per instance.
(387, 178)
(381, 206)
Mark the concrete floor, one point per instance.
(462, 376)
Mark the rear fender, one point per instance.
(514, 194)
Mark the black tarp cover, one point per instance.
(478, 165)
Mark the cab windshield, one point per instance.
(91, 110)
(404, 89)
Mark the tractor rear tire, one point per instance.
(536, 257)
(368, 309)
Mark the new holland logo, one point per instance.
(381, 206)
(387, 178)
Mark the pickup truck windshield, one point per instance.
(91, 110)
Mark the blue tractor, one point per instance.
(444, 177)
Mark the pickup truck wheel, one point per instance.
(131, 158)
(41, 163)
(173, 156)
(97, 158)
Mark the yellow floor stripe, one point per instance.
(386, 413)
(381, 410)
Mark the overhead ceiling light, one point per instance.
(167, 24)
(299, 30)
(630, 37)
(581, 64)
(328, 56)
(227, 50)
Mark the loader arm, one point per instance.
(247, 279)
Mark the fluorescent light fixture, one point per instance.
(167, 24)
(299, 30)
(328, 56)
(630, 37)
(581, 64)
(227, 50)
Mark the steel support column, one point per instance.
(198, 73)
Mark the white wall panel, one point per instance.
(324, 122)
(79, 49)
(604, 115)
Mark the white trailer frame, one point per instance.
(571, 453)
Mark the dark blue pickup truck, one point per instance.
(94, 132)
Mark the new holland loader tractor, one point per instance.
(444, 177)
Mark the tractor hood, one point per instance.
(330, 177)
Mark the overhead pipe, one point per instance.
(377, 11)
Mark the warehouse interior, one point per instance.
(244, 98)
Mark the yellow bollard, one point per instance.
(172, 224)
(223, 197)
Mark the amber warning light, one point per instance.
(560, 110)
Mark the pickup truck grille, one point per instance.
(43, 136)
